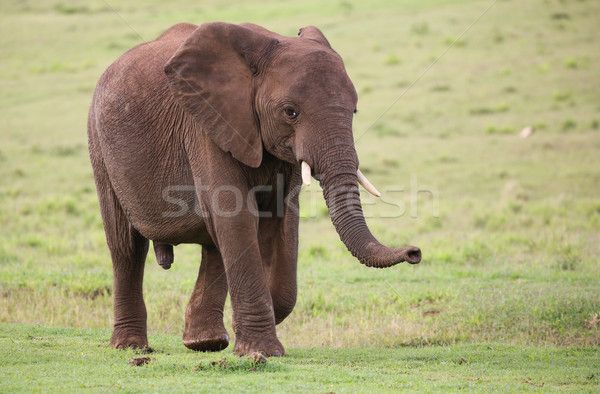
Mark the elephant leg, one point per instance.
(129, 256)
(254, 322)
(282, 281)
(128, 251)
(204, 329)
(278, 238)
(231, 220)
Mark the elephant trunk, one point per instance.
(340, 189)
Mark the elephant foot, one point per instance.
(206, 341)
(122, 339)
(265, 346)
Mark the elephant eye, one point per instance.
(290, 112)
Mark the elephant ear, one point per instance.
(211, 76)
(313, 33)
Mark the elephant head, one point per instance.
(249, 89)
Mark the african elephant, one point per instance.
(240, 115)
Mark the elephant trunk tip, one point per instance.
(384, 257)
(412, 254)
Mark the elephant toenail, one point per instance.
(276, 353)
(225, 337)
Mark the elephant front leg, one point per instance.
(204, 329)
(248, 286)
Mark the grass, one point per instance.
(67, 360)
(509, 227)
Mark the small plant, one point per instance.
(346, 7)
(502, 107)
(562, 96)
(68, 9)
(317, 251)
(568, 125)
(560, 15)
(498, 36)
(440, 88)
(366, 89)
(390, 163)
(566, 257)
(392, 60)
(571, 62)
(504, 130)
(383, 130)
(543, 68)
(456, 42)
(420, 28)
(481, 111)
(476, 253)
(491, 129)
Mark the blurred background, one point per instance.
(478, 120)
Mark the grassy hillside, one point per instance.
(509, 227)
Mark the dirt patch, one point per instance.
(593, 322)
(257, 358)
(137, 362)
(529, 382)
(32, 338)
(432, 313)
(222, 363)
(145, 350)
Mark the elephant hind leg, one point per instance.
(204, 329)
(128, 249)
(129, 256)
(280, 258)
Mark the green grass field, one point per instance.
(509, 227)
(37, 353)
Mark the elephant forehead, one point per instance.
(325, 85)
(319, 73)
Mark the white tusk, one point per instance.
(366, 184)
(306, 173)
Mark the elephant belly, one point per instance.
(158, 196)
(175, 217)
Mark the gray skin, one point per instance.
(181, 129)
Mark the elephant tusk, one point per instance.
(306, 173)
(366, 184)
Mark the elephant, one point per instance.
(226, 119)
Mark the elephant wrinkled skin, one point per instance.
(194, 138)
